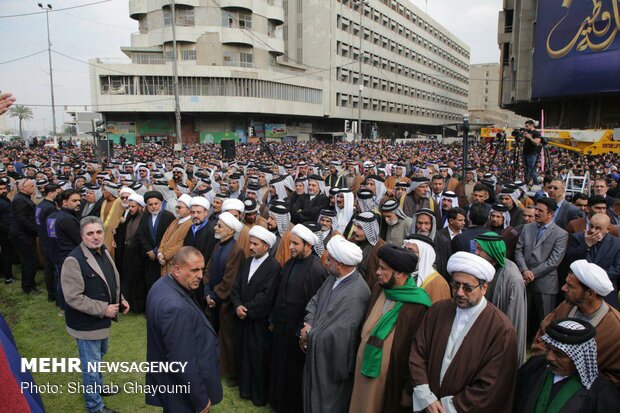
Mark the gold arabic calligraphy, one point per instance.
(591, 37)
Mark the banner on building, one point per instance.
(275, 130)
(217, 137)
(577, 48)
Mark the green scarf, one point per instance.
(496, 249)
(373, 351)
(565, 393)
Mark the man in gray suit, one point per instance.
(566, 211)
(540, 249)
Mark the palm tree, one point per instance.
(23, 113)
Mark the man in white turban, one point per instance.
(586, 286)
(220, 276)
(252, 299)
(452, 334)
(334, 315)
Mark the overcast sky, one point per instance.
(100, 30)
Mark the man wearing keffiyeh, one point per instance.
(365, 233)
(566, 378)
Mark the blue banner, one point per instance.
(577, 50)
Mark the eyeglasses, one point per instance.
(178, 207)
(466, 287)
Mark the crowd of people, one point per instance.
(351, 277)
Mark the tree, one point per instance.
(23, 113)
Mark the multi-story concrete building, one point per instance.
(484, 98)
(287, 68)
(561, 57)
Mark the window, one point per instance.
(245, 20)
(188, 55)
(246, 59)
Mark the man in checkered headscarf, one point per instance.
(566, 378)
(365, 233)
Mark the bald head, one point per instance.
(600, 222)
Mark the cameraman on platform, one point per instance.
(531, 148)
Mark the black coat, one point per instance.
(204, 241)
(443, 250)
(6, 217)
(178, 330)
(23, 212)
(464, 241)
(602, 397)
(311, 213)
(148, 243)
(253, 339)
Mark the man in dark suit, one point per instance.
(150, 232)
(6, 221)
(599, 247)
(24, 233)
(252, 298)
(540, 250)
(444, 237)
(201, 234)
(478, 216)
(179, 331)
(566, 211)
(318, 201)
(596, 205)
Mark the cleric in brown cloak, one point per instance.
(396, 310)
(464, 356)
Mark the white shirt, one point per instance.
(341, 279)
(187, 218)
(452, 234)
(256, 262)
(154, 218)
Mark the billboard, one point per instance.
(577, 48)
(275, 130)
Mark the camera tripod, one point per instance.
(509, 160)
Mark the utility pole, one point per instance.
(177, 106)
(49, 55)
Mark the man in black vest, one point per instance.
(91, 287)
(24, 233)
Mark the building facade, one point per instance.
(288, 69)
(484, 98)
(561, 57)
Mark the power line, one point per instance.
(97, 22)
(23, 57)
(94, 106)
(55, 10)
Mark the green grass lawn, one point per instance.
(39, 331)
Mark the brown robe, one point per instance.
(436, 287)
(482, 375)
(607, 339)
(373, 265)
(283, 254)
(391, 391)
(111, 214)
(227, 315)
(172, 241)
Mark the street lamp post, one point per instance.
(465, 142)
(361, 4)
(177, 105)
(47, 9)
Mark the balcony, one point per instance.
(275, 13)
(137, 8)
(238, 4)
(191, 3)
(236, 36)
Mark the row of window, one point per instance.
(377, 105)
(208, 86)
(352, 52)
(154, 58)
(386, 21)
(349, 76)
(388, 44)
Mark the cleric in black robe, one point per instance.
(567, 378)
(252, 298)
(133, 283)
(152, 227)
(301, 277)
